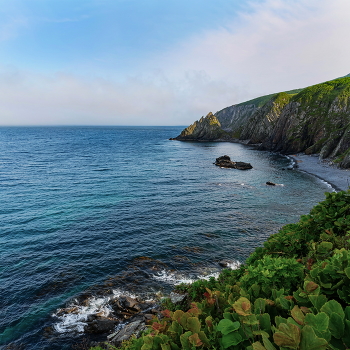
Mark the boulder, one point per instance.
(226, 162)
(177, 298)
(225, 263)
(125, 305)
(100, 325)
(270, 183)
(129, 303)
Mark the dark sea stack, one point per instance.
(226, 162)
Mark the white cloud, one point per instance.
(277, 45)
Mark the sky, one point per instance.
(157, 62)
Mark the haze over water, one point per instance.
(81, 205)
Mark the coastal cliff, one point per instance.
(314, 120)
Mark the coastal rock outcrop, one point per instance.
(314, 120)
(226, 162)
(205, 129)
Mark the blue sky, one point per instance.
(156, 62)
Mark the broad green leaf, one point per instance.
(203, 338)
(336, 325)
(165, 346)
(320, 322)
(176, 328)
(228, 316)
(259, 306)
(177, 315)
(231, 339)
(288, 335)
(193, 324)
(258, 346)
(226, 326)
(346, 337)
(147, 343)
(297, 315)
(318, 301)
(174, 346)
(309, 340)
(310, 286)
(242, 306)
(265, 322)
(268, 345)
(279, 320)
(185, 344)
(333, 306)
(251, 320)
(194, 340)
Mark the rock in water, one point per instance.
(226, 162)
(100, 325)
(270, 183)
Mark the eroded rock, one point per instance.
(226, 162)
(100, 325)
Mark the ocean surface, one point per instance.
(94, 210)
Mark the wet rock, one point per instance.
(225, 263)
(125, 333)
(100, 325)
(148, 317)
(129, 303)
(125, 306)
(145, 306)
(226, 162)
(270, 183)
(177, 298)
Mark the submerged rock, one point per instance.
(226, 162)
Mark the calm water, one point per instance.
(79, 206)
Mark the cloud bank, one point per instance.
(273, 46)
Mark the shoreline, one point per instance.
(338, 178)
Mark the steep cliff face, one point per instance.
(312, 120)
(262, 123)
(315, 121)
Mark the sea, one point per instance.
(87, 211)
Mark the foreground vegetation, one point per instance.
(292, 293)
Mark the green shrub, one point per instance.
(275, 273)
(293, 293)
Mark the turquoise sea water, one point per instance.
(79, 206)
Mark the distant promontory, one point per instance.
(314, 120)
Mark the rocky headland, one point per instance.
(314, 120)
